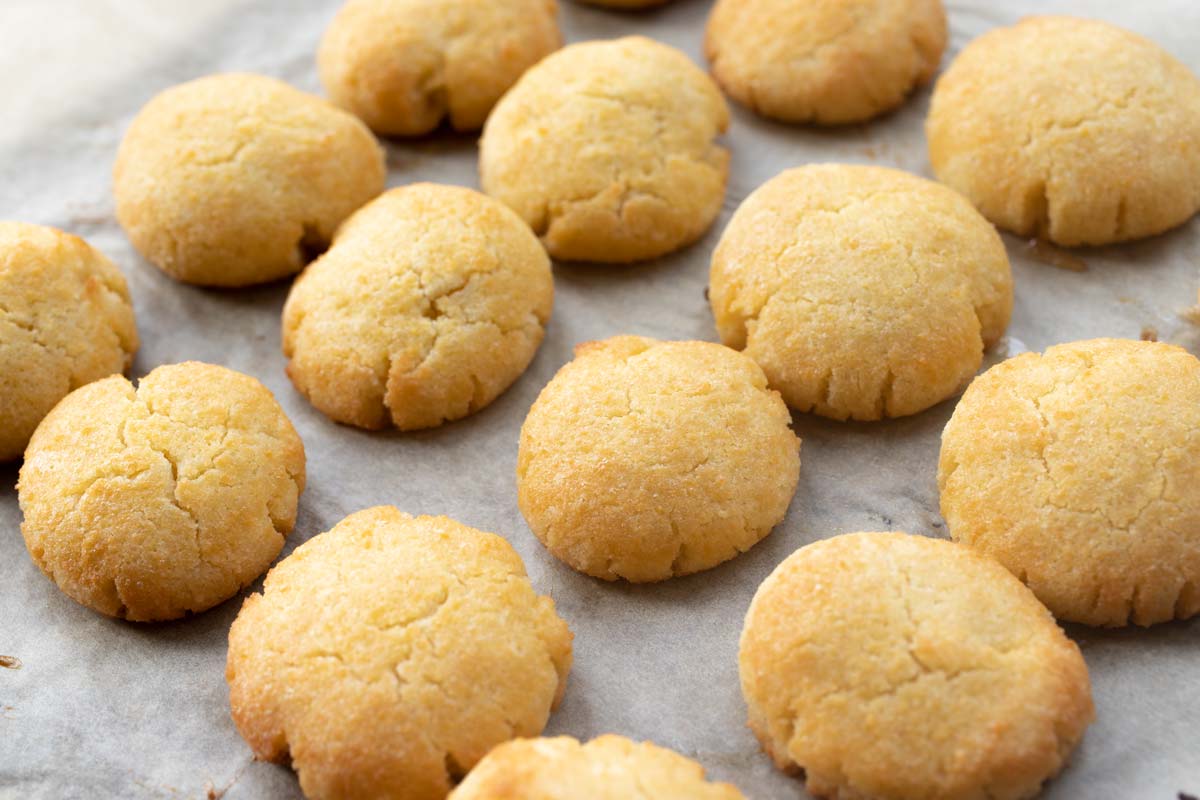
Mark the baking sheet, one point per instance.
(101, 708)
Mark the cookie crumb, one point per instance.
(10, 662)
(1149, 334)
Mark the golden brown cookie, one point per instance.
(895, 667)
(386, 657)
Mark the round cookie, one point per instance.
(431, 302)
(155, 502)
(825, 61)
(862, 292)
(1079, 470)
(645, 460)
(386, 657)
(1069, 129)
(606, 768)
(607, 150)
(65, 320)
(403, 66)
(889, 667)
(232, 180)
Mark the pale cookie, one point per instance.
(606, 768)
(405, 65)
(65, 320)
(232, 180)
(825, 61)
(386, 657)
(431, 302)
(1069, 129)
(1079, 470)
(862, 292)
(607, 150)
(155, 502)
(645, 460)
(896, 667)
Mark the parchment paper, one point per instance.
(101, 708)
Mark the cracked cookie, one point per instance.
(642, 460)
(606, 768)
(1069, 129)
(862, 292)
(65, 320)
(153, 502)
(233, 180)
(830, 62)
(607, 150)
(1079, 470)
(386, 657)
(430, 303)
(893, 667)
(403, 66)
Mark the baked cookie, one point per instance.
(606, 768)
(1079, 470)
(825, 61)
(1069, 129)
(232, 180)
(405, 65)
(155, 502)
(891, 667)
(65, 320)
(387, 656)
(644, 460)
(607, 150)
(431, 302)
(862, 292)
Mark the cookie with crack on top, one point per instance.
(65, 321)
(862, 292)
(1079, 470)
(892, 667)
(232, 180)
(403, 66)
(153, 502)
(607, 149)
(643, 460)
(606, 768)
(430, 303)
(387, 656)
(1069, 129)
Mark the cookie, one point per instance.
(891, 667)
(1079, 470)
(606, 768)
(644, 460)
(431, 302)
(862, 292)
(825, 61)
(153, 502)
(607, 150)
(1069, 129)
(386, 657)
(65, 320)
(403, 66)
(232, 180)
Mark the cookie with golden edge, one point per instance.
(387, 656)
(895, 667)
(430, 303)
(862, 292)
(232, 180)
(607, 149)
(153, 502)
(65, 320)
(403, 66)
(1070, 129)
(645, 460)
(825, 61)
(1079, 470)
